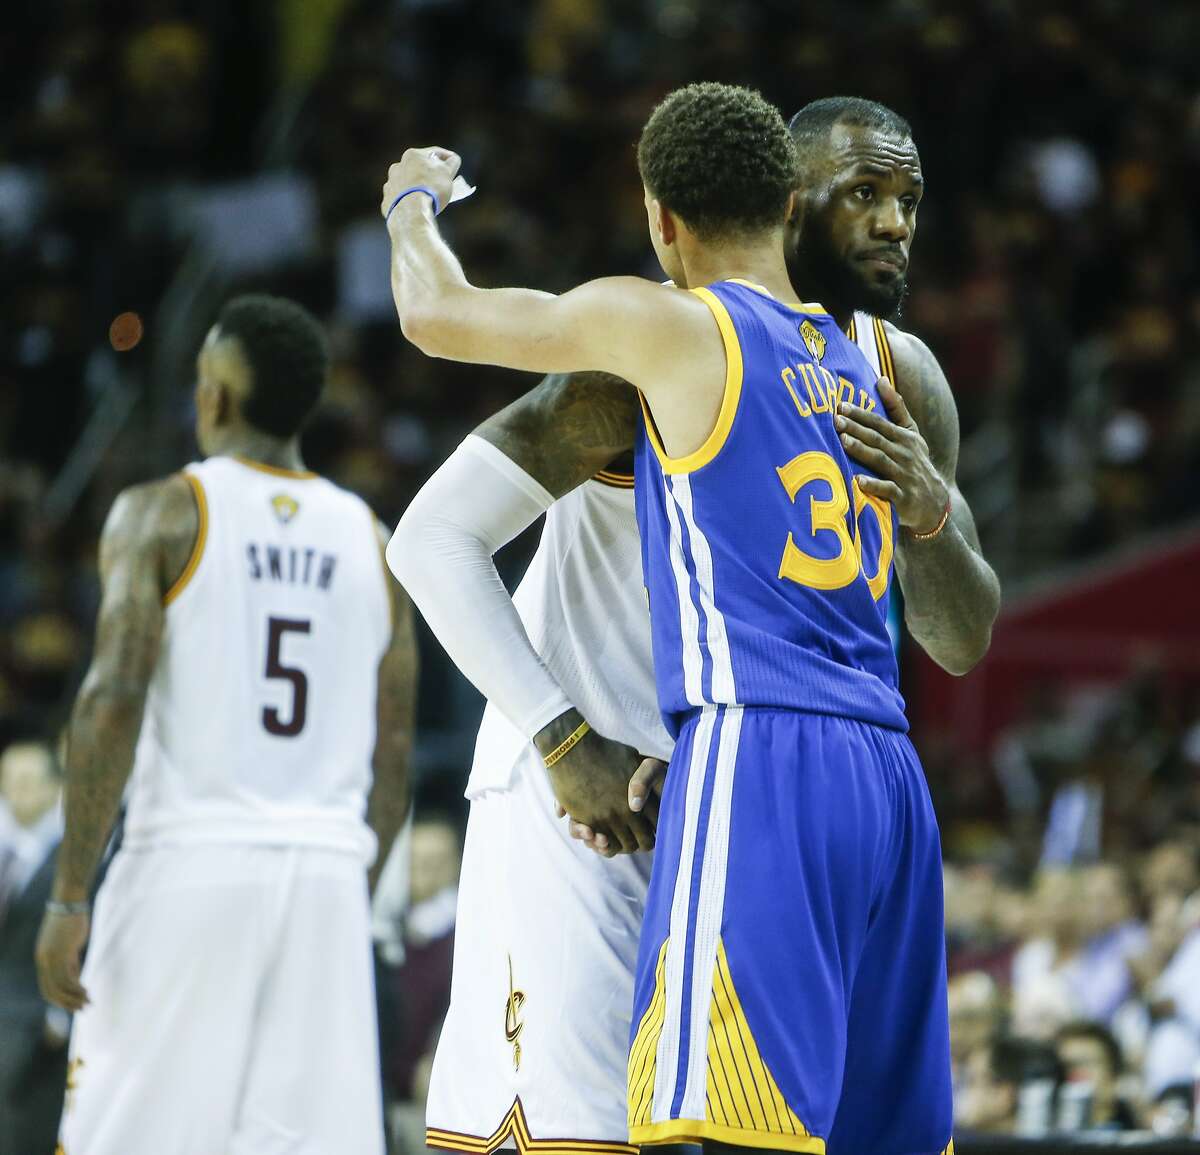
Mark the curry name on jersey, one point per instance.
(767, 567)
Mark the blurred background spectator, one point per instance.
(158, 155)
(33, 1035)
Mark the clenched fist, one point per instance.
(432, 168)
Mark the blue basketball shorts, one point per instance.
(791, 981)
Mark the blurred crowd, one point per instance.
(156, 155)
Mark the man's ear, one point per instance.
(223, 404)
(663, 218)
(797, 211)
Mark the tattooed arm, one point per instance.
(144, 548)
(566, 429)
(395, 721)
(951, 595)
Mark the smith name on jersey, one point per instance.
(260, 719)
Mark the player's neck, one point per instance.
(759, 261)
(261, 448)
(807, 285)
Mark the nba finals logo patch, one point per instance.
(814, 339)
(285, 507)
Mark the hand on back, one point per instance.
(591, 784)
(644, 793)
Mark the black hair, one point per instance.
(721, 158)
(288, 358)
(1082, 1029)
(1180, 1092)
(1017, 1060)
(811, 126)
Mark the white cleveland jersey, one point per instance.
(583, 604)
(870, 335)
(260, 720)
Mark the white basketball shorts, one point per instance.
(535, 1045)
(232, 1008)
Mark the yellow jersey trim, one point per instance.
(729, 400)
(742, 1093)
(275, 470)
(197, 553)
(616, 480)
(744, 1105)
(515, 1126)
(802, 307)
(694, 1131)
(644, 1051)
(852, 330)
(886, 365)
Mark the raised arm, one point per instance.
(395, 711)
(144, 549)
(951, 594)
(496, 484)
(616, 325)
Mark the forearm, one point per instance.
(951, 597)
(425, 273)
(386, 811)
(442, 554)
(100, 749)
(395, 722)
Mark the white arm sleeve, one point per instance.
(441, 552)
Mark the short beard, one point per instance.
(825, 273)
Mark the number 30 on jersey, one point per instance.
(829, 515)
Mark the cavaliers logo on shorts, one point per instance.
(513, 1026)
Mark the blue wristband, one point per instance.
(415, 188)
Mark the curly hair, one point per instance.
(288, 358)
(721, 158)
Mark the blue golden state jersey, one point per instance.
(767, 568)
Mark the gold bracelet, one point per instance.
(941, 525)
(566, 746)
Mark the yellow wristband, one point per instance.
(566, 746)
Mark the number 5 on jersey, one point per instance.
(829, 515)
(272, 720)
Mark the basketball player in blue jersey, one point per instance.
(775, 907)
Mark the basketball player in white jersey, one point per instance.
(533, 1053)
(254, 668)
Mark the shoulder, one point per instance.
(917, 370)
(339, 495)
(158, 521)
(154, 511)
(638, 302)
(926, 392)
